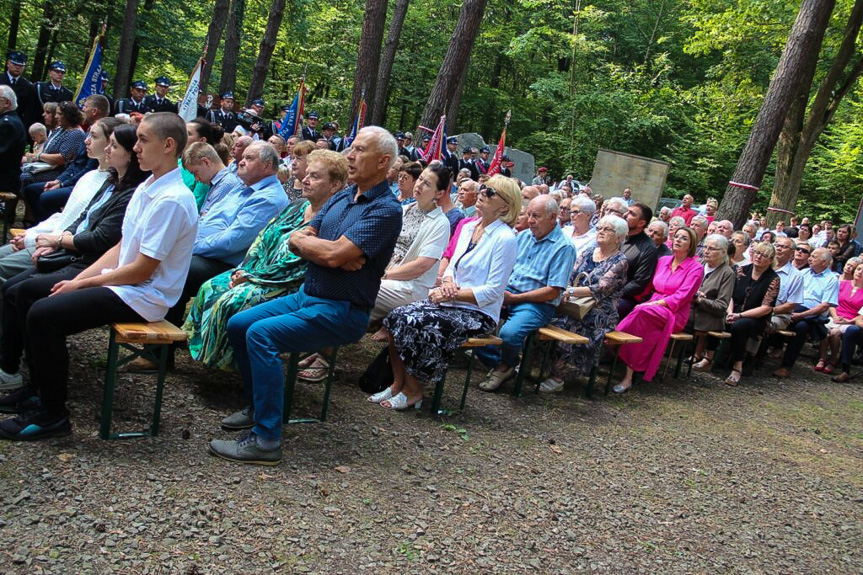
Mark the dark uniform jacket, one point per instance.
(228, 120)
(154, 104)
(13, 142)
(450, 160)
(310, 134)
(23, 91)
(128, 106)
(46, 92)
(470, 165)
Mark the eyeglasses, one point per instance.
(804, 250)
(575, 212)
(491, 192)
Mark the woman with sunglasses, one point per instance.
(423, 336)
(675, 281)
(755, 294)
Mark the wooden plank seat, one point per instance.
(439, 387)
(615, 339)
(681, 338)
(15, 232)
(545, 336)
(293, 360)
(143, 340)
(719, 334)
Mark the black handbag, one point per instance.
(379, 374)
(45, 264)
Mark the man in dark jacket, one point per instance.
(640, 251)
(159, 101)
(52, 90)
(14, 77)
(13, 141)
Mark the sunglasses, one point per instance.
(804, 250)
(490, 193)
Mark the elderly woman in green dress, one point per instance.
(270, 269)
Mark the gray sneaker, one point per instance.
(246, 450)
(10, 381)
(243, 419)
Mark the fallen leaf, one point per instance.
(343, 469)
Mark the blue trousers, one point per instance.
(294, 323)
(852, 336)
(520, 321)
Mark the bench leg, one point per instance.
(160, 386)
(330, 374)
(668, 361)
(290, 384)
(466, 384)
(680, 361)
(438, 390)
(613, 367)
(591, 383)
(108, 392)
(524, 367)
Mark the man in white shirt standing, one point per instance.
(137, 280)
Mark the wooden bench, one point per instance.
(722, 336)
(8, 218)
(547, 335)
(293, 360)
(614, 339)
(438, 390)
(15, 232)
(676, 338)
(143, 340)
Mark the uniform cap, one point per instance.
(163, 81)
(258, 102)
(329, 126)
(313, 115)
(227, 96)
(140, 84)
(467, 150)
(104, 77)
(542, 169)
(400, 135)
(452, 140)
(485, 150)
(19, 58)
(57, 65)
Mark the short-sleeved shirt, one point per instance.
(430, 242)
(820, 288)
(542, 263)
(160, 222)
(686, 214)
(372, 222)
(790, 284)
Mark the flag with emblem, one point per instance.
(91, 81)
(495, 166)
(434, 149)
(290, 122)
(359, 122)
(188, 108)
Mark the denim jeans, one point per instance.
(294, 323)
(521, 320)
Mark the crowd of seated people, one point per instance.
(263, 247)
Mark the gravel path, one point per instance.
(684, 476)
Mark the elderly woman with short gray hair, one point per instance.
(581, 233)
(710, 304)
(600, 272)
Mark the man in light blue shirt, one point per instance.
(538, 280)
(235, 211)
(820, 293)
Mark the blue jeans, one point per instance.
(293, 323)
(521, 320)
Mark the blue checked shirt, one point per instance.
(371, 222)
(544, 263)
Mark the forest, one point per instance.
(675, 80)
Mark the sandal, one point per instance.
(733, 381)
(820, 365)
(316, 372)
(381, 395)
(830, 367)
(399, 402)
(842, 377)
(308, 361)
(703, 365)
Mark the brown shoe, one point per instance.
(782, 372)
(842, 377)
(141, 365)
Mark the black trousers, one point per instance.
(50, 320)
(803, 329)
(200, 271)
(741, 330)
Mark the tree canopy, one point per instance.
(675, 80)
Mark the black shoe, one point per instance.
(246, 450)
(36, 425)
(20, 401)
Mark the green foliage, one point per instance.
(676, 80)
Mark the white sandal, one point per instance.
(381, 395)
(399, 402)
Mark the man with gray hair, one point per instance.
(538, 280)
(820, 293)
(348, 245)
(699, 225)
(13, 140)
(237, 149)
(725, 227)
(665, 214)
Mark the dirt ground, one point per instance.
(682, 476)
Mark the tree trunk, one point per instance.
(233, 41)
(265, 53)
(369, 56)
(14, 23)
(803, 46)
(136, 47)
(379, 107)
(447, 87)
(455, 102)
(47, 22)
(214, 36)
(801, 130)
(52, 46)
(124, 52)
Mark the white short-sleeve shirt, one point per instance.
(161, 222)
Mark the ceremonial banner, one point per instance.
(495, 166)
(292, 120)
(359, 122)
(188, 108)
(434, 149)
(91, 81)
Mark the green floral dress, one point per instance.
(272, 271)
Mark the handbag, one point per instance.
(36, 167)
(379, 374)
(577, 307)
(54, 261)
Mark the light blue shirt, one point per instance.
(820, 288)
(790, 284)
(231, 223)
(542, 263)
(223, 183)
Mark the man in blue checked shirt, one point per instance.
(539, 279)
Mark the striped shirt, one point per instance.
(542, 263)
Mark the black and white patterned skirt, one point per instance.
(426, 335)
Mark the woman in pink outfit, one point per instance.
(675, 281)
